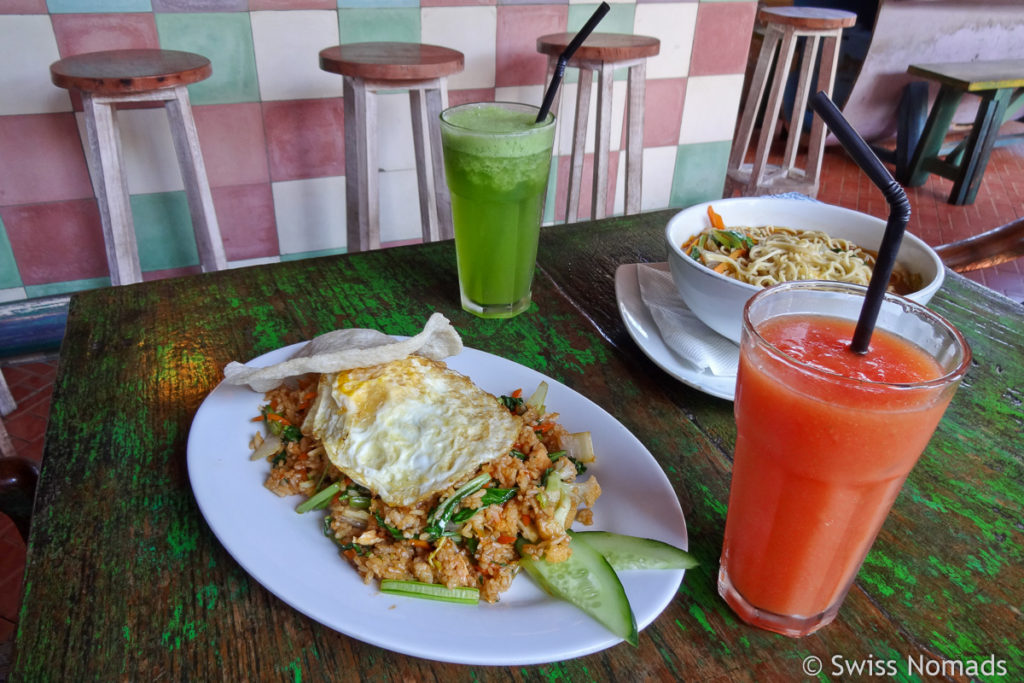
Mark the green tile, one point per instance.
(223, 38)
(66, 287)
(398, 24)
(163, 229)
(552, 193)
(105, 6)
(312, 254)
(618, 20)
(9, 277)
(700, 173)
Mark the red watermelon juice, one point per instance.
(825, 439)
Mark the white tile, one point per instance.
(399, 206)
(470, 30)
(27, 50)
(567, 116)
(262, 261)
(394, 132)
(12, 294)
(701, 123)
(659, 167)
(150, 162)
(310, 214)
(674, 25)
(526, 94)
(287, 46)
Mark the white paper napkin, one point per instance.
(682, 331)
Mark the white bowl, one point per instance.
(718, 300)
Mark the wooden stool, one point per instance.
(784, 26)
(603, 53)
(423, 70)
(106, 79)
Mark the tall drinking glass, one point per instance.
(825, 439)
(496, 161)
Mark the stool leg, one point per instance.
(771, 114)
(437, 101)
(197, 185)
(796, 119)
(424, 174)
(363, 211)
(980, 142)
(7, 402)
(602, 141)
(637, 86)
(758, 85)
(111, 191)
(826, 79)
(579, 144)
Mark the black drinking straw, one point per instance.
(567, 53)
(899, 214)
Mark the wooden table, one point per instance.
(124, 580)
(995, 82)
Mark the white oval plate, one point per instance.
(289, 555)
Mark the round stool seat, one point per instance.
(391, 61)
(807, 18)
(114, 72)
(601, 47)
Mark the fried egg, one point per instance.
(409, 428)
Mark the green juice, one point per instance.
(496, 161)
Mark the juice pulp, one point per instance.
(496, 162)
(818, 463)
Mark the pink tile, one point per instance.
(41, 159)
(23, 7)
(292, 4)
(517, 61)
(80, 33)
(456, 97)
(722, 38)
(248, 227)
(663, 111)
(305, 138)
(233, 143)
(57, 241)
(586, 187)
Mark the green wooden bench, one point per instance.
(919, 147)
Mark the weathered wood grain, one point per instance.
(125, 581)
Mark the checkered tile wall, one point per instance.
(270, 121)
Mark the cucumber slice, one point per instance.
(589, 582)
(631, 552)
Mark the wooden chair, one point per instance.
(108, 79)
(603, 53)
(988, 249)
(367, 68)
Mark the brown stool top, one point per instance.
(810, 18)
(114, 72)
(601, 47)
(391, 61)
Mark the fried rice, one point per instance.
(479, 550)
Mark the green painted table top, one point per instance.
(124, 580)
(974, 76)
